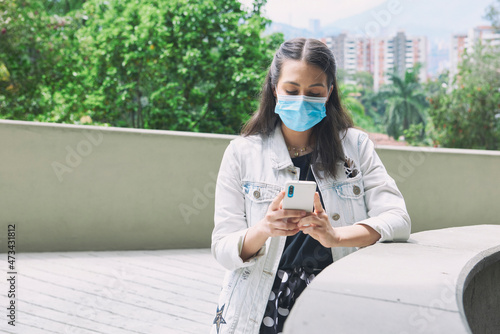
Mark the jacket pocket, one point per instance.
(351, 195)
(258, 196)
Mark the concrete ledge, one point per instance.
(84, 188)
(435, 283)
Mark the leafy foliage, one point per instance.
(493, 14)
(162, 64)
(405, 102)
(467, 115)
(35, 50)
(352, 100)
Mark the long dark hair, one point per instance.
(326, 134)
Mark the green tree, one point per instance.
(405, 102)
(37, 53)
(414, 134)
(374, 107)
(342, 76)
(61, 7)
(351, 95)
(162, 64)
(467, 114)
(438, 84)
(493, 14)
(176, 65)
(364, 80)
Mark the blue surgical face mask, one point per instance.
(300, 112)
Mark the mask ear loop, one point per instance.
(329, 93)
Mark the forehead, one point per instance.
(300, 72)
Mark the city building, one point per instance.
(398, 53)
(353, 54)
(458, 46)
(486, 34)
(379, 56)
(462, 42)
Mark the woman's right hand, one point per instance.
(278, 221)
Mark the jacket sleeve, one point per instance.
(384, 202)
(229, 216)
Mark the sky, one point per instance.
(298, 12)
(439, 13)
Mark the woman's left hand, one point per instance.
(318, 226)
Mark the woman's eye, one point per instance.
(291, 93)
(314, 95)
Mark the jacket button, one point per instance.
(256, 194)
(336, 217)
(356, 190)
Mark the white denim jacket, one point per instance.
(253, 171)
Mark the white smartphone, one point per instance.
(299, 195)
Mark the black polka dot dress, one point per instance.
(286, 289)
(303, 258)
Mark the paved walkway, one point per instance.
(167, 291)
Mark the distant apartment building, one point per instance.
(462, 42)
(398, 53)
(485, 34)
(379, 56)
(458, 46)
(353, 54)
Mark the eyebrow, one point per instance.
(313, 85)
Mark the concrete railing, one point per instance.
(441, 281)
(72, 188)
(69, 187)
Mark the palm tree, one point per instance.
(405, 103)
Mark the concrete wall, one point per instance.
(69, 187)
(90, 188)
(446, 187)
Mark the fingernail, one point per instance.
(303, 213)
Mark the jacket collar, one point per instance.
(278, 151)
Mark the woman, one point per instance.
(299, 132)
